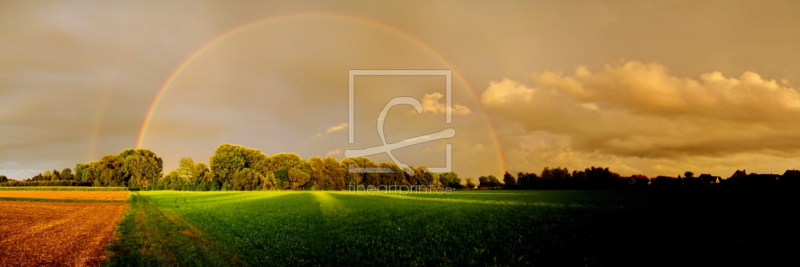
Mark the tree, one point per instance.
(337, 172)
(246, 179)
(424, 177)
(298, 178)
(171, 181)
(526, 180)
(554, 177)
(46, 176)
(355, 178)
(509, 181)
(388, 178)
(141, 167)
(228, 159)
(111, 171)
(200, 172)
(186, 169)
(287, 162)
(690, 180)
(66, 174)
(37, 177)
(3, 179)
(320, 175)
(87, 173)
(282, 179)
(470, 183)
(489, 181)
(268, 181)
(450, 179)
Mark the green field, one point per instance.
(477, 228)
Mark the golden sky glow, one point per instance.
(656, 88)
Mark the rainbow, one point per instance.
(188, 60)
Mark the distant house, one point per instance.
(753, 179)
(738, 174)
(737, 178)
(790, 177)
(708, 179)
(636, 180)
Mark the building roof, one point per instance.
(739, 173)
(795, 173)
(708, 177)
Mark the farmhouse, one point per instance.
(739, 174)
(752, 179)
(790, 177)
(708, 179)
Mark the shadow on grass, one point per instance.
(149, 236)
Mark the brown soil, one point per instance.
(36, 233)
(114, 195)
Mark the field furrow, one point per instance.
(34, 233)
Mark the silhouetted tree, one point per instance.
(509, 181)
(489, 181)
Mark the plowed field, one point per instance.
(35, 233)
(115, 195)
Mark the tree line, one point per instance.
(235, 167)
(556, 178)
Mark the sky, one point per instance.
(641, 87)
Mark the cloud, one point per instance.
(641, 110)
(333, 153)
(338, 127)
(335, 128)
(430, 103)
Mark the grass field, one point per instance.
(478, 228)
(56, 233)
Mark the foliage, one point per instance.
(508, 181)
(450, 179)
(488, 181)
(470, 183)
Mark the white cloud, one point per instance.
(500, 93)
(335, 128)
(430, 103)
(338, 127)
